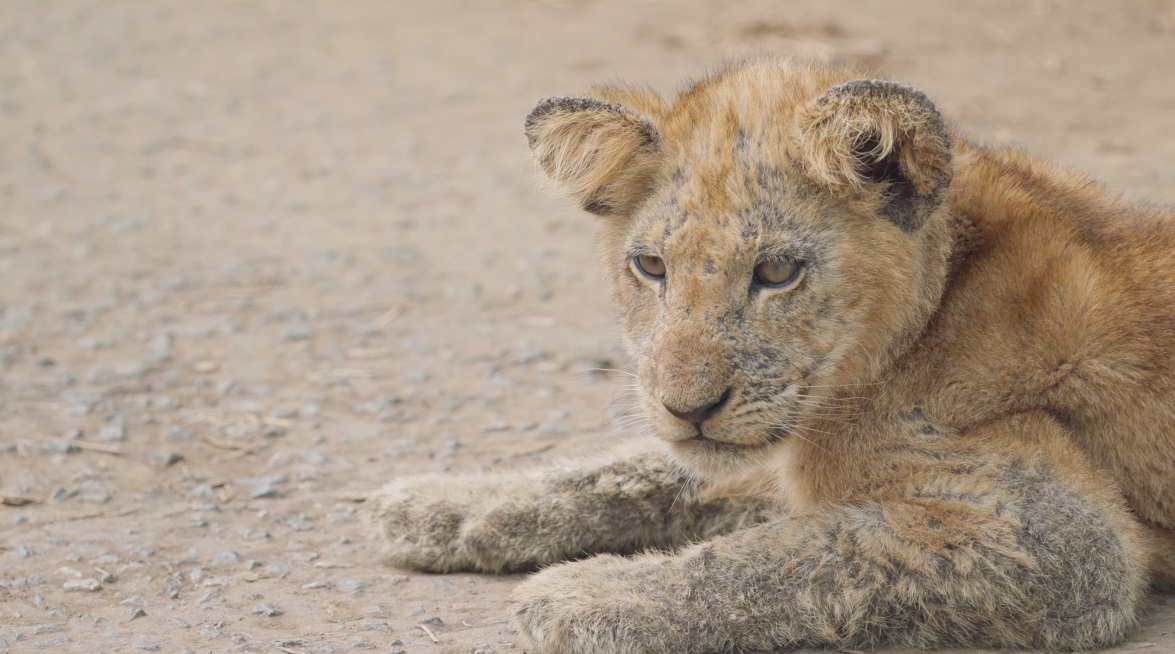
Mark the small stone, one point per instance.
(267, 609)
(146, 645)
(292, 642)
(82, 585)
(483, 649)
(265, 491)
(495, 426)
(135, 612)
(273, 431)
(298, 333)
(443, 584)
(57, 447)
(167, 458)
(226, 557)
(94, 491)
(112, 432)
(432, 619)
(178, 433)
(417, 610)
(51, 628)
(202, 492)
(133, 600)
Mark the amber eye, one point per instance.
(652, 267)
(777, 272)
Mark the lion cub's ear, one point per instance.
(868, 132)
(602, 154)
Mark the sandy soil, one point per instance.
(258, 258)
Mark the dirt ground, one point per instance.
(259, 257)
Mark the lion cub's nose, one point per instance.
(699, 414)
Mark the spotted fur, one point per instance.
(954, 427)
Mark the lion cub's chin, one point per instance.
(714, 459)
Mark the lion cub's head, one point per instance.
(775, 236)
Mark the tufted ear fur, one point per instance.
(865, 133)
(601, 154)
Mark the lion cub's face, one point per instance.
(772, 242)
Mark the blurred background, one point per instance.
(259, 257)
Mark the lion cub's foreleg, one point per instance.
(633, 499)
(970, 550)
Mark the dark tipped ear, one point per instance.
(601, 154)
(880, 135)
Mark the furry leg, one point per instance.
(1027, 563)
(634, 499)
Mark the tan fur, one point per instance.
(954, 429)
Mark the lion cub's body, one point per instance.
(952, 425)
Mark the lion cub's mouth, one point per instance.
(701, 440)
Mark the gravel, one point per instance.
(267, 609)
(82, 585)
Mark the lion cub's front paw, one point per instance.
(422, 523)
(603, 604)
(444, 523)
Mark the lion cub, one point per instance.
(908, 390)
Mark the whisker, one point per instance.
(588, 371)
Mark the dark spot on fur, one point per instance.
(597, 207)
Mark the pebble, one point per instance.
(146, 645)
(483, 649)
(265, 491)
(267, 609)
(298, 333)
(273, 431)
(50, 628)
(178, 433)
(226, 557)
(202, 492)
(167, 458)
(135, 612)
(82, 585)
(93, 491)
(57, 447)
(443, 584)
(431, 620)
(112, 432)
